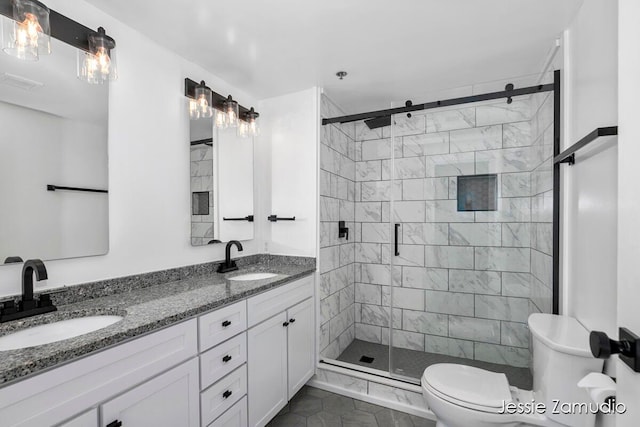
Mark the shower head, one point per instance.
(378, 122)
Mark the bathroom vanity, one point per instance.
(203, 351)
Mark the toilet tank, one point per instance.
(561, 358)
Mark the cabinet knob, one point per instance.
(115, 423)
(226, 323)
(226, 358)
(227, 393)
(292, 320)
(285, 324)
(602, 347)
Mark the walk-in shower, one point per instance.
(450, 211)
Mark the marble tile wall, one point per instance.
(337, 255)
(202, 227)
(465, 282)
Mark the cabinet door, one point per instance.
(301, 345)
(267, 360)
(88, 419)
(234, 417)
(169, 400)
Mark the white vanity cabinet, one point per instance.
(206, 371)
(281, 343)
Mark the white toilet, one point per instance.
(464, 396)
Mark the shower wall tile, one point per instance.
(375, 191)
(504, 161)
(446, 211)
(347, 297)
(449, 257)
(368, 253)
(541, 295)
(499, 113)
(475, 234)
(425, 322)
(367, 212)
(514, 334)
(410, 167)
(329, 209)
(403, 125)
(449, 303)
(375, 315)
(425, 278)
(368, 294)
(410, 255)
(477, 282)
(379, 274)
(515, 184)
(437, 188)
(503, 259)
(407, 298)
(375, 232)
(480, 138)
(413, 189)
(424, 233)
(516, 284)
(369, 171)
(462, 118)
(425, 145)
(448, 346)
(368, 333)
(516, 209)
(543, 237)
(408, 340)
(502, 308)
(493, 353)
(451, 165)
(516, 234)
(474, 329)
(363, 133)
(516, 134)
(542, 267)
(409, 211)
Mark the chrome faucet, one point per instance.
(228, 264)
(28, 305)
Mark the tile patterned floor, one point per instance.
(412, 363)
(313, 407)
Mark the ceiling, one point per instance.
(392, 50)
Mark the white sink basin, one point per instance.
(253, 276)
(57, 331)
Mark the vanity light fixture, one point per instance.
(200, 106)
(28, 35)
(98, 64)
(28, 31)
(228, 113)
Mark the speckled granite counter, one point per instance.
(145, 310)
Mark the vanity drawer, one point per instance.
(234, 417)
(213, 401)
(274, 301)
(222, 359)
(222, 324)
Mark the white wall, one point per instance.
(629, 174)
(590, 187)
(149, 199)
(289, 144)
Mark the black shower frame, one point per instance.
(508, 93)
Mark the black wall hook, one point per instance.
(602, 347)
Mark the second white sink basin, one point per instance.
(253, 276)
(57, 331)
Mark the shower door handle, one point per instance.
(396, 231)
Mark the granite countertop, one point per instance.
(144, 310)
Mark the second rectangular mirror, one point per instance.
(221, 184)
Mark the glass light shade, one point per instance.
(231, 109)
(221, 120)
(243, 129)
(194, 112)
(252, 123)
(99, 64)
(202, 101)
(28, 35)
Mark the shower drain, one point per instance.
(366, 359)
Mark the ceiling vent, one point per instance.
(19, 82)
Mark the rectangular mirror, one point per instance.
(221, 184)
(53, 159)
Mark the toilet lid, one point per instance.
(468, 385)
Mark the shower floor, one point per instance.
(414, 362)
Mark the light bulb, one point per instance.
(243, 129)
(221, 119)
(194, 111)
(231, 110)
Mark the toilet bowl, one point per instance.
(465, 396)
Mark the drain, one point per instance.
(366, 359)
